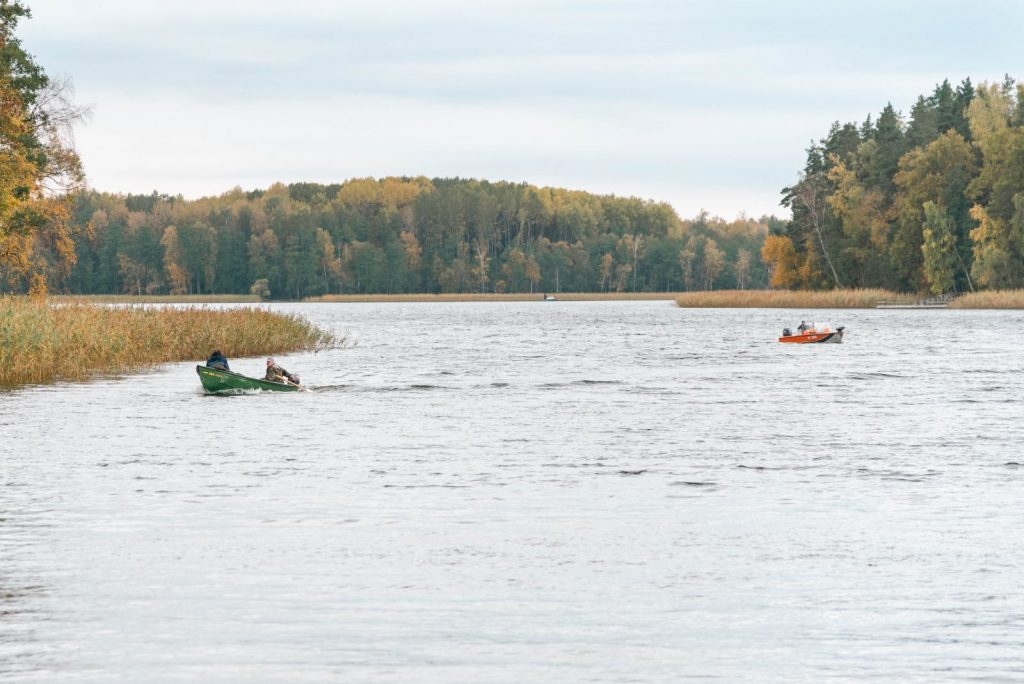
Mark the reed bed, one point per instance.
(990, 299)
(43, 342)
(157, 299)
(789, 299)
(497, 297)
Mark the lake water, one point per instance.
(531, 492)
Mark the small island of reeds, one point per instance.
(788, 299)
(840, 299)
(43, 341)
(990, 299)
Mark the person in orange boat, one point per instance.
(803, 327)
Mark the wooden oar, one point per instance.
(295, 384)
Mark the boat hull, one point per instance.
(814, 337)
(219, 381)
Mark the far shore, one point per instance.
(847, 299)
(155, 299)
(342, 298)
(724, 299)
(495, 297)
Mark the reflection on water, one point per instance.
(606, 491)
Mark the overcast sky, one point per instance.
(705, 104)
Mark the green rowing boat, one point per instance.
(219, 381)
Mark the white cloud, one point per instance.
(195, 148)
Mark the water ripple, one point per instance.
(591, 491)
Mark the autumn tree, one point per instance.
(809, 200)
(744, 261)
(712, 264)
(862, 213)
(993, 116)
(814, 230)
(133, 274)
(328, 264)
(938, 173)
(514, 270)
(635, 245)
(621, 277)
(553, 258)
(999, 248)
(579, 266)
(174, 262)
(687, 256)
(38, 164)
(412, 250)
(263, 250)
(780, 257)
(607, 264)
(939, 249)
(481, 261)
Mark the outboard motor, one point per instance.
(786, 332)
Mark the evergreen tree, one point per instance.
(889, 138)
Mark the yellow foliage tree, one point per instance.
(411, 249)
(714, 262)
(779, 255)
(38, 164)
(992, 265)
(396, 193)
(361, 194)
(861, 211)
(173, 261)
(328, 261)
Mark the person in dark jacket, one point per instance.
(217, 360)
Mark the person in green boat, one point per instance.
(277, 374)
(217, 360)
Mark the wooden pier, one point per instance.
(937, 302)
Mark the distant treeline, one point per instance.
(402, 235)
(932, 204)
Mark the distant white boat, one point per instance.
(550, 298)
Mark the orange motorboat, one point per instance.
(809, 333)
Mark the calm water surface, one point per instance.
(531, 492)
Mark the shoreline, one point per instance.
(362, 298)
(494, 297)
(713, 299)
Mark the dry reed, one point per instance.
(42, 342)
(990, 299)
(496, 297)
(789, 299)
(158, 299)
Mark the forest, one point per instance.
(932, 202)
(402, 235)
